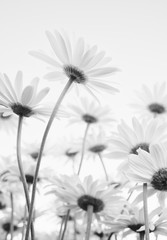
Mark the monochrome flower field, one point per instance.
(65, 185)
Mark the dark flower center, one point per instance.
(2, 206)
(159, 180)
(75, 74)
(156, 108)
(99, 234)
(135, 227)
(143, 146)
(70, 154)
(89, 118)
(34, 155)
(6, 227)
(30, 178)
(86, 200)
(21, 110)
(4, 117)
(98, 148)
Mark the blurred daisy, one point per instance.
(77, 195)
(152, 103)
(128, 140)
(90, 112)
(133, 221)
(21, 101)
(150, 168)
(81, 64)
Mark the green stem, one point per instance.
(66, 217)
(104, 168)
(89, 221)
(83, 148)
(22, 175)
(12, 215)
(52, 116)
(145, 210)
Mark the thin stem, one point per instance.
(65, 223)
(89, 221)
(52, 116)
(61, 227)
(104, 168)
(22, 175)
(83, 148)
(145, 210)
(24, 220)
(141, 235)
(12, 215)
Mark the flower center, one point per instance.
(97, 148)
(86, 200)
(2, 206)
(6, 227)
(159, 180)
(21, 110)
(75, 74)
(70, 154)
(156, 108)
(135, 227)
(34, 155)
(89, 118)
(143, 146)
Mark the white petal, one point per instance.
(45, 58)
(27, 95)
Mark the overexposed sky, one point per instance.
(132, 32)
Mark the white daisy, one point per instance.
(150, 168)
(81, 64)
(128, 140)
(152, 103)
(77, 195)
(21, 101)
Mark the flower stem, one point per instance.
(52, 116)
(66, 217)
(145, 210)
(141, 235)
(12, 216)
(22, 175)
(89, 221)
(104, 168)
(83, 148)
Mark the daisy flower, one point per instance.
(77, 195)
(152, 103)
(83, 65)
(150, 168)
(128, 140)
(19, 100)
(89, 112)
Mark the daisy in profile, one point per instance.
(22, 101)
(150, 168)
(90, 112)
(142, 134)
(152, 103)
(78, 62)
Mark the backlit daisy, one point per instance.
(150, 168)
(128, 140)
(77, 195)
(83, 65)
(152, 103)
(22, 101)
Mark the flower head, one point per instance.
(81, 64)
(152, 103)
(24, 102)
(150, 168)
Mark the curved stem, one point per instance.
(61, 227)
(141, 235)
(53, 114)
(104, 168)
(83, 148)
(12, 215)
(22, 175)
(89, 221)
(145, 210)
(66, 217)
